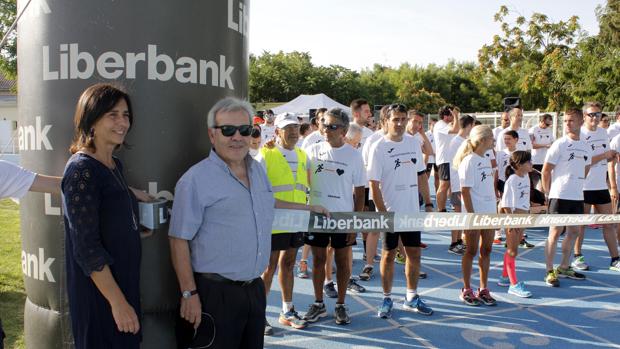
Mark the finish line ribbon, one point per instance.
(350, 222)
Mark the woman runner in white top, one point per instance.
(478, 196)
(516, 199)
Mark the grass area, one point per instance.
(264, 106)
(12, 293)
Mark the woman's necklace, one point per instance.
(122, 184)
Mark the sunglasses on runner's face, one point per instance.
(333, 127)
(230, 130)
(597, 114)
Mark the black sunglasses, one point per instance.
(333, 127)
(397, 107)
(597, 114)
(230, 130)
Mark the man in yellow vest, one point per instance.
(288, 169)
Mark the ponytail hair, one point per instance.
(477, 135)
(517, 158)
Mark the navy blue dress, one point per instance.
(99, 231)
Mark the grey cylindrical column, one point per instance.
(175, 58)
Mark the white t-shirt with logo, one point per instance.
(570, 158)
(615, 145)
(503, 161)
(598, 143)
(475, 172)
(267, 133)
(455, 144)
(516, 193)
(431, 139)
(311, 139)
(542, 136)
(14, 180)
(396, 165)
(442, 141)
(523, 143)
(496, 132)
(335, 172)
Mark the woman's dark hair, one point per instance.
(94, 102)
(517, 158)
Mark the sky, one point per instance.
(357, 34)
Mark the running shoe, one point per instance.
(456, 248)
(525, 244)
(503, 281)
(366, 273)
(340, 313)
(385, 310)
(579, 263)
(615, 266)
(315, 312)
(569, 273)
(377, 258)
(552, 279)
(468, 297)
(330, 290)
(354, 287)
(423, 246)
(291, 318)
(519, 290)
(268, 329)
(423, 275)
(485, 297)
(417, 305)
(400, 259)
(302, 270)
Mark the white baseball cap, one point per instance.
(285, 119)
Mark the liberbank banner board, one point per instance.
(175, 59)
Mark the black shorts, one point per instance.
(409, 238)
(500, 186)
(596, 197)
(431, 166)
(444, 171)
(367, 202)
(538, 167)
(336, 240)
(284, 241)
(561, 206)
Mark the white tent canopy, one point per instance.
(303, 103)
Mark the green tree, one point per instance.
(8, 53)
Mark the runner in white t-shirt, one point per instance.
(268, 129)
(516, 119)
(430, 160)
(542, 137)
(360, 113)
(397, 175)
(614, 145)
(614, 129)
(338, 176)
(477, 196)
(445, 129)
(515, 199)
(597, 192)
(16, 181)
(566, 166)
(504, 123)
(466, 124)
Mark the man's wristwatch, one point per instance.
(188, 294)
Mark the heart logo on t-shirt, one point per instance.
(340, 171)
(604, 145)
(414, 160)
(585, 157)
(523, 142)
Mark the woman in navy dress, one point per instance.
(101, 226)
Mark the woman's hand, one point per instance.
(142, 195)
(125, 317)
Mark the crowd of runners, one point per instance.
(352, 163)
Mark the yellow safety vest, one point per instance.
(285, 187)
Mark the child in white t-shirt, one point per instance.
(478, 196)
(515, 199)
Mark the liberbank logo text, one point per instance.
(74, 64)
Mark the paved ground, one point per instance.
(575, 315)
